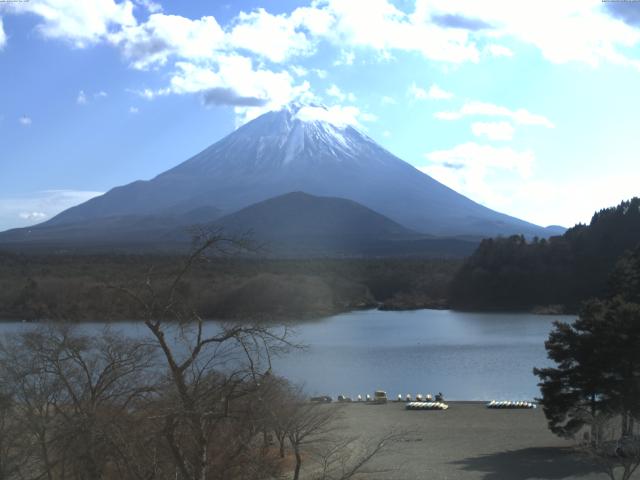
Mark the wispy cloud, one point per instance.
(434, 93)
(336, 115)
(493, 130)
(299, 71)
(335, 92)
(25, 120)
(81, 99)
(34, 216)
(28, 209)
(475, 108)
(498, 50)
(345, 58)
(470, 169)
(3, 36)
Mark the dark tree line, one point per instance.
(73, 286)
(513, 273)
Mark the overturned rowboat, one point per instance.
(426, 406)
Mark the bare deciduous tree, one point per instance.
(187, 400)
(71, 391)
(619, 454)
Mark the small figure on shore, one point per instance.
(439, 397)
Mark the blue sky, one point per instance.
(530, 108)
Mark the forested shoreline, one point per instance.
(554, 275)
(83, 287)
(516, 274)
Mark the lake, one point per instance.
(467, 356)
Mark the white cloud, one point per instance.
(571, 30)
(317, 21)
(357, 24)
(335, 92)
(82, 23)
(35, 216)
(509, 185)
(379, 25)
(100, 94)
(496, 50)
(274, 37)
(566, 201)
(337, 115)
(447, 115)
(474, 156)
(434, 93)
(385, 100)
(475, 108)
(322, 74)
(299, 71)
(237, 73)
(386, 134)
(3, 35)
(437, 93)
(417, 92)
(153, 42)
(81, 99)
(133, 110)
(25, 120)
(470, 169)
(149, 94)
(345, 58)
(493, 130)
(25, 210)
(149, 5)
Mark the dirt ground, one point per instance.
(468, 441)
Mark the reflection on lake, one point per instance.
(467, 356)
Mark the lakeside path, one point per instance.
(468, 441)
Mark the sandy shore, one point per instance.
(468, 441)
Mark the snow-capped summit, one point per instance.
(297, 136)
(303, 148)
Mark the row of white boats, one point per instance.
(425, 402)
(380, 396)
(509, 404)
(426, 406)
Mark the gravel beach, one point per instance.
(468, 441)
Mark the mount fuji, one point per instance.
(297, 149)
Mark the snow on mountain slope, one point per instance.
(303, 148)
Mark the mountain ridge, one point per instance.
(297, 149)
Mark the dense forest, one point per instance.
(515, 274)
(83, 287)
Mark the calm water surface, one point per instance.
(467, 356)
